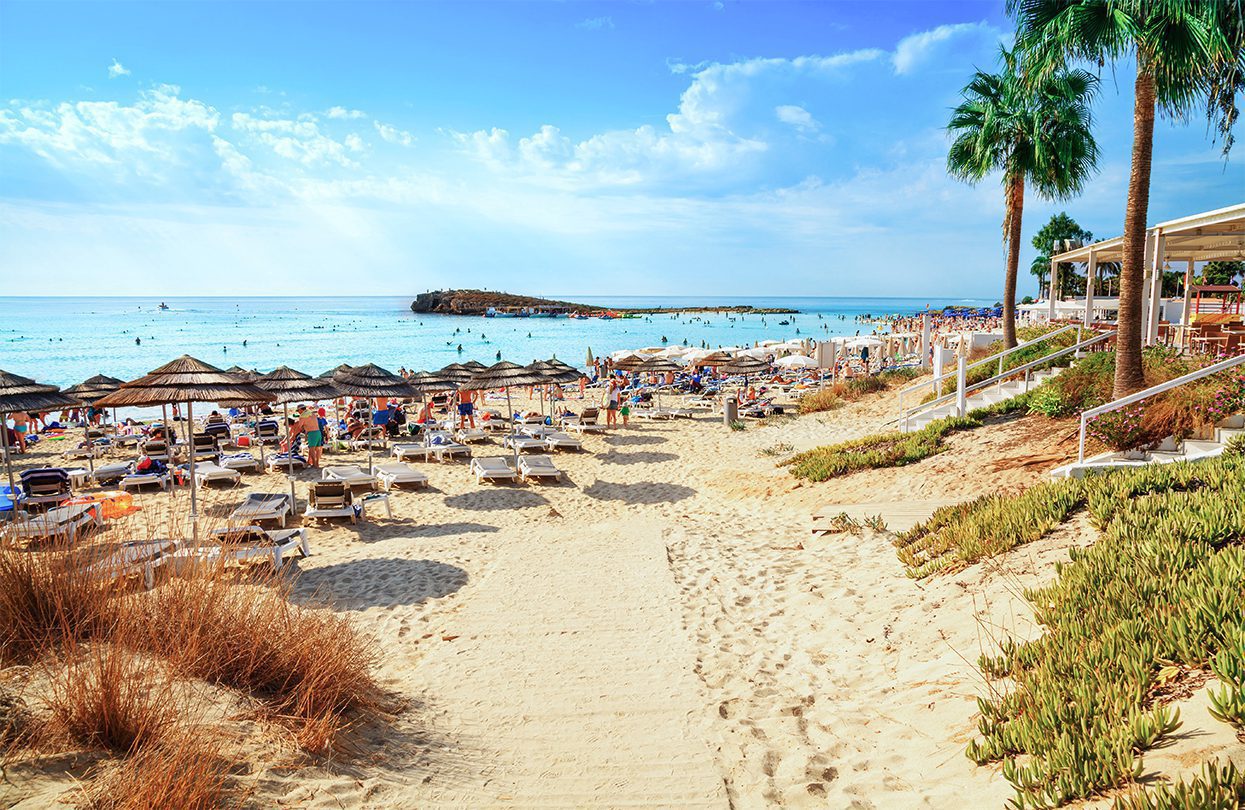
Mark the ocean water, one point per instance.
(64, 340)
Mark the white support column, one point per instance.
(1146, 284)
(1156, 288)
(1051, 294)
(1091, 271)
(1185, 318)
(926, 355)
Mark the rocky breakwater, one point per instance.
(478, 302)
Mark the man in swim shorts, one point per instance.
(466, 409)
(309, 423)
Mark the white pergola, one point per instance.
(1212, 236)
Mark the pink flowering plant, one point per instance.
(1120, 429)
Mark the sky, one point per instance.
(552, 148)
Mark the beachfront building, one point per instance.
(1204, 317)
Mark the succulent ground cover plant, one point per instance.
(1072, 712)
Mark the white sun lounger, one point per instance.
(562, 441)
(113, 472)
(63, 521)
(538, 467)
(138, 479)
(351, 474)
(468, 435)
(90, 451)
(447, 447)
(494, 468)
(241, 543)
(207, 472)
(277, 463)
(263, 506)
(395, 473)
(239, 461)
(522, 443)
(138, 557)
(406, 452)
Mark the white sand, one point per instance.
(663, 630)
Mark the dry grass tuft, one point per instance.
(46, 598)
(108, 697)
(308, 668)
(183, 772)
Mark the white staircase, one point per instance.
(1168, 451)
(982, 398)
(1004, 385)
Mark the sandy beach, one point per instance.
(660, 629)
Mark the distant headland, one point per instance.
(507, 305)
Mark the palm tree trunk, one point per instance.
(1015, 211)
(1129, 376)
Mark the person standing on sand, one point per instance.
(466, 409)
(611, 404)
(21, 424)
(311, 428)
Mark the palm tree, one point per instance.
(1039, 135)
(1188, 53)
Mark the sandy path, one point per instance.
(571, 679)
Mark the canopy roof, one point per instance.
(184, 380)
(1212, 236)
(24, 394)
(288, 385)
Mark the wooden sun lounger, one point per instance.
(330, 499)
(493, 468)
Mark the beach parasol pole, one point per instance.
(8, 463)
(194, 509)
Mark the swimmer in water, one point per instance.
(138, 341)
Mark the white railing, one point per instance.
(1087, 416)
(996, 357)
(962, 391)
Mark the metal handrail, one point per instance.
(997, 356)
(1086, 416)
(1011, 372)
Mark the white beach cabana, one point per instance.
(1217, 235)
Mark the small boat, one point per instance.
(163, 305)
(784, 323)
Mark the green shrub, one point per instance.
(880, 450)
(1048, 400)
(1219, 787)
(818, 401)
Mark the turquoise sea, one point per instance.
(64, 340)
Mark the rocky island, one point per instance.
(485, 302)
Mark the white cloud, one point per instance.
(716, 135)
(596, 23)
(117, 69)
(342, 112)
(919, 49)
(797, 117)
(353, 142)
(298, 139)
(394, 135)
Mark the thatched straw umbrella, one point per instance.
(747, 366)
(185, 380)
(23, 394)
(373, 381)
(328, 375)
(658, 365)
(504, 375)
(554, 374)
(246, 375)
(89, 391)
(474, 366)
(457, 373)
(288, 385)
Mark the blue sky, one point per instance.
(731, 148)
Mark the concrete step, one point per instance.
(1223, 435)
